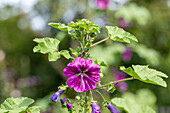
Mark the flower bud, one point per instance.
(78, 98)
(63, 100)
(112, 109)
(56, 96)
(95, 108)
(69, 106)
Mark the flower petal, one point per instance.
(93, 68)
(77, 83)
(81, 83)
(82, 64)
(70, 70)
(89, 83)
(94, 76)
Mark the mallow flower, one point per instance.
(102, 4)
(95, 108)
(112, 109)
(56, 96)
(122, 85)
(124, 24)
(83, 74)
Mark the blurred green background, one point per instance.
(24, 73)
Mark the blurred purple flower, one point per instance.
(63, 100)
(84, 53)
(83, 74)
(123, 24)
(56, 96)
(95, 108)
(69, 106)
(112, 108)
(102, 4)
(127, 55)
(122, 85)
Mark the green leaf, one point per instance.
(145, 74)
(60, 26)
(146, 109)
(15, 105)
(85, 24)
(49, 46)
(65, 53)
(23, 101)
(53, 56)
(111, 88)
(127, 105)
(130, 106)
(34, 109)
(118, 34)
(74, 52)
(9, 104)
(100, 63)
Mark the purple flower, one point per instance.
(69, 106)
(56, 96)
(102, 4)
(127, 55)
(124, 24)
(95, 108)
(118, 75)
(112, 108)
(83, 74)
(63, 100)
(84, 53)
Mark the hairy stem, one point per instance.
(91, 95)
(101, 95)
(99, 41)
(102, 86)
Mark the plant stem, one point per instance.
(101, 95)
(99, 41)
(91, 95)
(126, 79)
(72, 57)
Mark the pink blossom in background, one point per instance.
(102, 4)
(118, 75)
(127, 54)
(123, 24)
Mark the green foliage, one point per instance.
(132, 12)
(86, 24)
(100, 63)
(82, 31)
(60, 26)
(51, 47)
(111, 88)
(145, 74)
(18, 105)
(118, 34)
(152, 56)
(142, 102)
(65, 53)
(130, 106)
